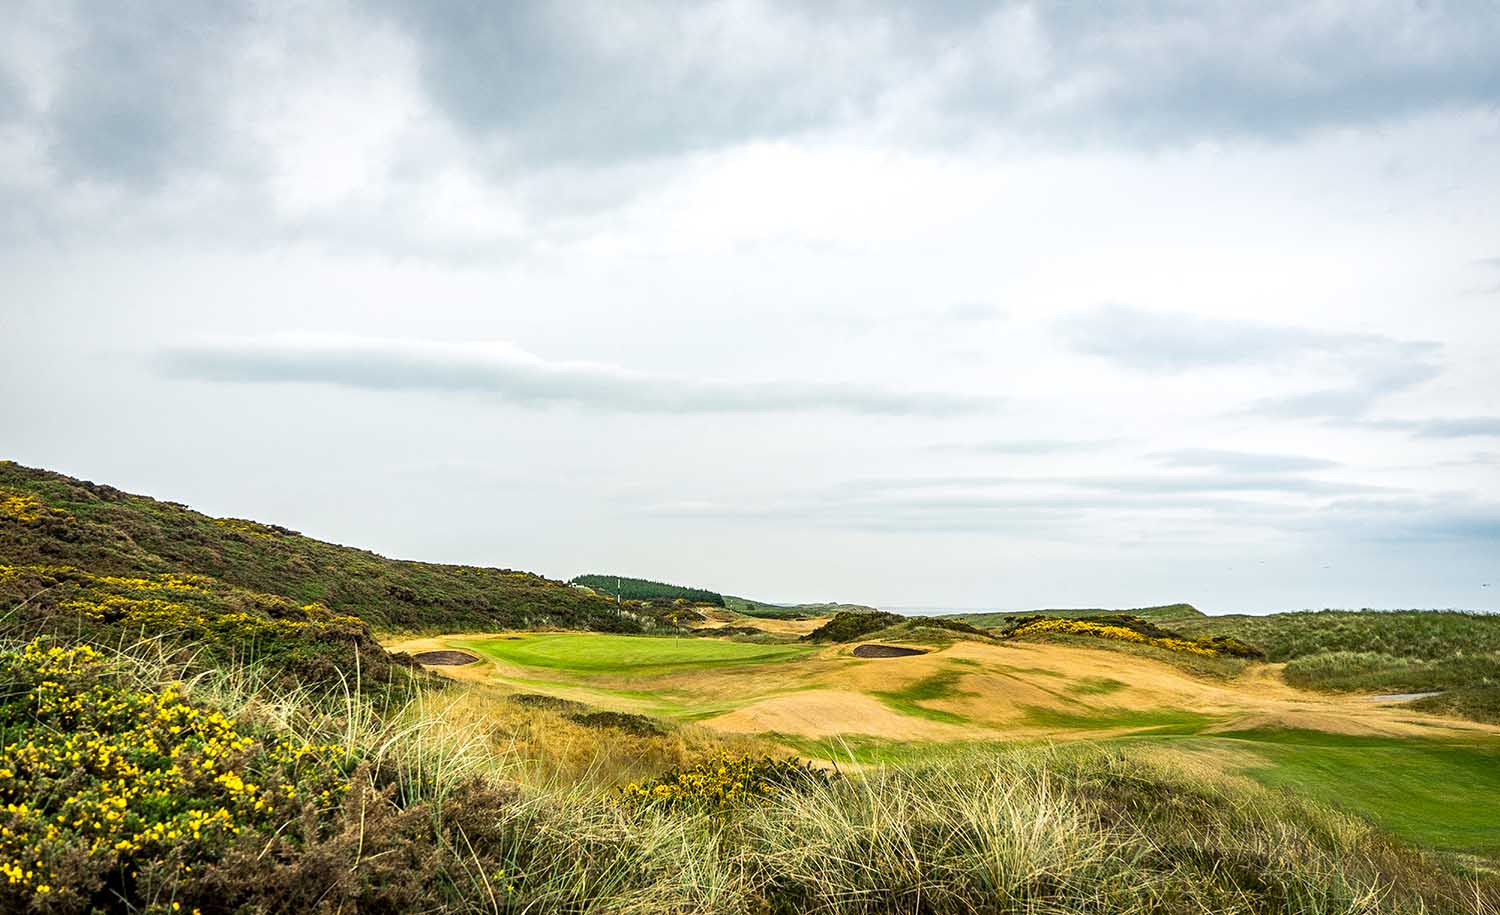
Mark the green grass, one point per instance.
(1439, 793)
(596, 654)
(1154, 721)
(908, 699)
(1095, 686)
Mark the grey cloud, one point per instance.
(1443, 427)
(142, 95)
(1170, 341)
(512, 374)
(145, 90)
(1243, 461)
(645, 78)
(1021, 446)
(1167, 342)
(968, 497)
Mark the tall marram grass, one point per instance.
(462, 803)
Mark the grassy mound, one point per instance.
(1373, 651)
(47, 519)
(853, 626)
(1125, 627)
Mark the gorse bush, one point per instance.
(112, 792)
(1124, 628)
(723, 781)
(306, 643)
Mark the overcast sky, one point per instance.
(960, 305)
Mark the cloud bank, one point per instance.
(511, 374)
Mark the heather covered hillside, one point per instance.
(48, 519)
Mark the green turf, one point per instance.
(1441, 793)
(1095, 686)
(942, 685)
(626, 654)
(1155, 721)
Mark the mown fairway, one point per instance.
(627, 654)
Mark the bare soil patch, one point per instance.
(885, 651)
(445, 657)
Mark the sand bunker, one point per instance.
(445, 657)
(885, 651)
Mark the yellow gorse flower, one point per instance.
(130, 776)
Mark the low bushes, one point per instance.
(846, 626)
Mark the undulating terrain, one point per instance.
(221, 715)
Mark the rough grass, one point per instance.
(1384, 652)
(1425, 634)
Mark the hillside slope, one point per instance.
(48, 519)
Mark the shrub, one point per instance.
(638, 725)
(846, 626)
(115, 792)
(723, 781)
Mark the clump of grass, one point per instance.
(639, 725)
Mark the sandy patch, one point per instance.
(829, 712)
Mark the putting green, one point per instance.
(628, 654)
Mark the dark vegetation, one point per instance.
(47, 519)
(639, 725)
(644, 590)
(851, 626)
